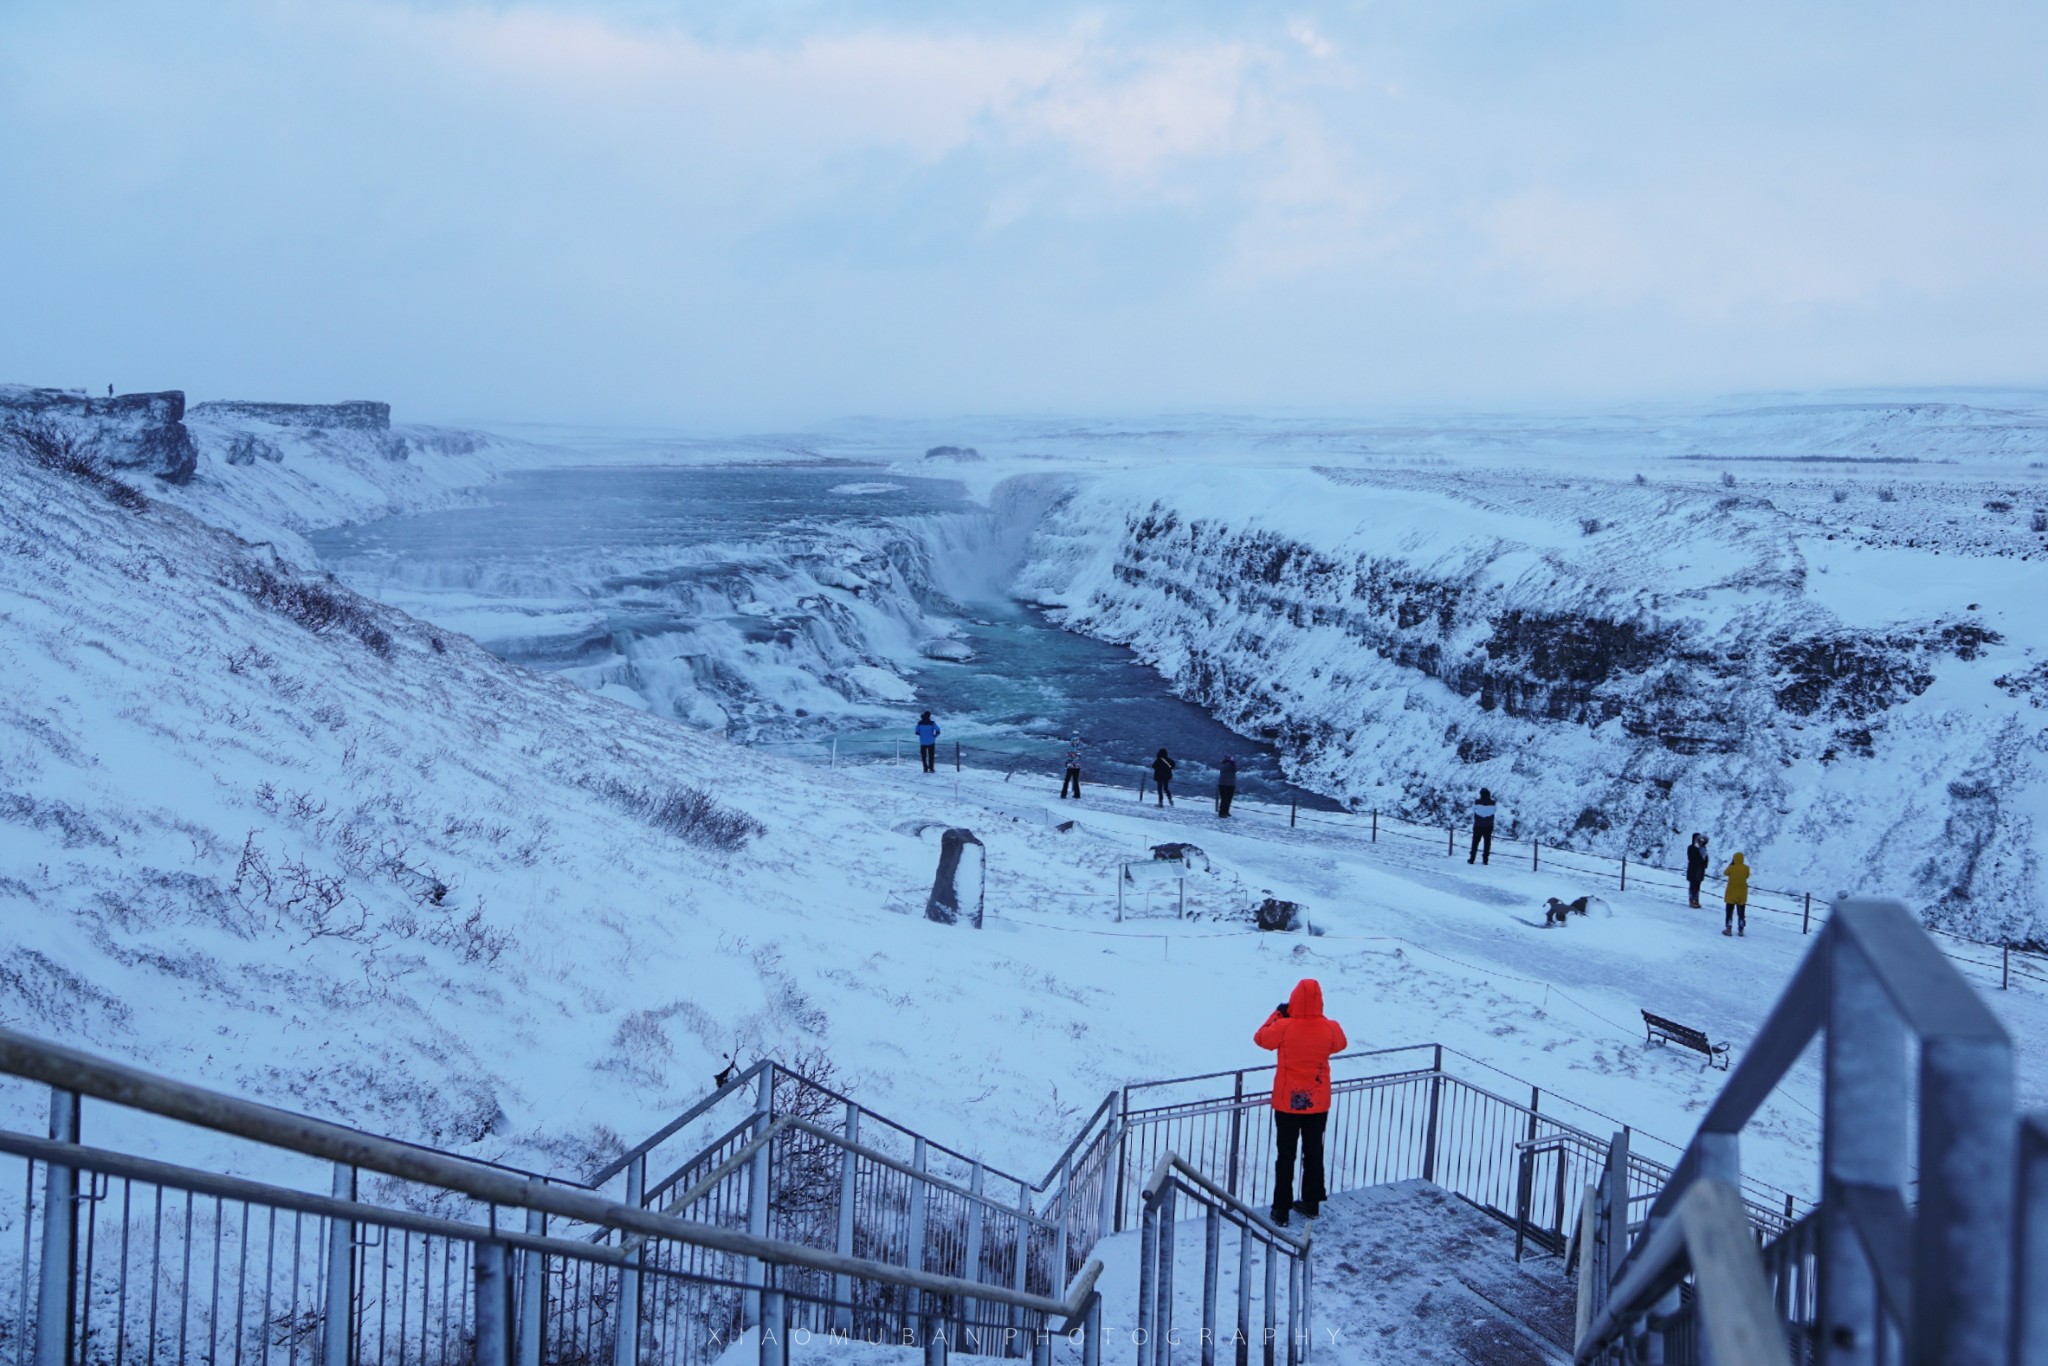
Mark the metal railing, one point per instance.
(414, 1255)
(1871, 1275)
(1259, 1254)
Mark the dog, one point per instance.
(1555, 911)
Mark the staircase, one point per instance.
(777, 1216)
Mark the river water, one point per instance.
(787, 607)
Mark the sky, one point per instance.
(730, 216)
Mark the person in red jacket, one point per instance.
(1304, 1038)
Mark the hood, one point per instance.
(1306, 1002)
(1736, 860)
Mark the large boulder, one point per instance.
(962, 879)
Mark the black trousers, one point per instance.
(1482, 842)
(1223, 796)
(1737, 912)
(930, 755)
(1165, 786)
(1692, 887)
(1073, 780)
(1290, 1131)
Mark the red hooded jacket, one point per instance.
(1304, 1038)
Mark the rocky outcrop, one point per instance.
(354, 415)
(144, 432)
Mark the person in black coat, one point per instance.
(1226, 784)
(1162, 778)
(1482, 828)
(1695, 869)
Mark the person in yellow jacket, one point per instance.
(1736, 897)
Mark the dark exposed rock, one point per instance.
(354, 415)
(129, 431)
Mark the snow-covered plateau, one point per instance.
(265, 832)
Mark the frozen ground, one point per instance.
(225, 828)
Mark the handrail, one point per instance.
(675, 1126)
(72, 1070)
(1943, 1276)
(1708, 1230)
(1170, 1163)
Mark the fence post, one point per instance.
(1060, 1230)
(493, 1304)
(57, 1291)
(1525, 1186)
(1436, 1092)
(1120, 894)
(626, 1347)
(1451, 844)
(532, 1293)
(1293, 809)
(1375, 825)
(849, 1173)
(1806, 915)
(2004, 967)
(773, 1329)
(1624, 872)
(956, 756)
(1535, 853)
(913, 1253)
(338, 1328)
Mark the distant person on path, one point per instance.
(1226, 784)
(110, 391)
(1482, 828)
(1304, 1038)
(1162, 778)
(1736, 897)
(928, 742)
(1073, 778)
(1695, 868)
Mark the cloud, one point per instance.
(582, 208)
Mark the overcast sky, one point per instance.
(634, 212)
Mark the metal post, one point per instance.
(1806, 915)
(1624, 872)
(338, 1327)
(1113, 1166)
(849, 1173)
(1451, 845)
(1244, 1296)
(972, 1270)
(1162, 1322)
(1617, 1207)
(758, 1174)
(1525, 1188)
(1091, 1344)
(1148, 1271)
(2030, 1269)
(772, 1329)
(1230, 1173)
(1293, 809)
(1295, 1323)
(1183, 913)
(1375, 825)
(1963, 1227)
(1436, 1085)
(626, 1347)
(913, 1254)
(1120, 893)
(1060, 1232)
(57, 1291)
(1212, 1272)
(1863, 1141)
(2005, 967)
(493, 1304)
(1535, 854)
(956, 756)
(1272, 1299)
(532, 1293)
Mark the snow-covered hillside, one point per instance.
(262, 832)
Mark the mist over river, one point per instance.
(793, 609)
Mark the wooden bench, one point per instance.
(1657, 1029)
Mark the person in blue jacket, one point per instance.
(928, 742)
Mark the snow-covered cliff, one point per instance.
(1834, 681)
